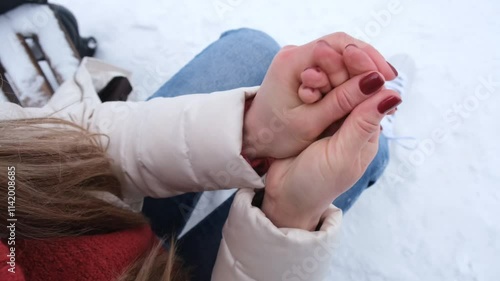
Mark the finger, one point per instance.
(309, 95)
(343, 99)
(362, 125)
(331, 62)
(332, 129)
(339, 41)
(314, 77)
(357, 61)
(287, 47)
(383, 66)
(292, 60)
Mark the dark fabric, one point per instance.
(117, 89)
(7, 5)
(200, 245)
(6, 88)
(169, 215)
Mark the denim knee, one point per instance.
(378, 165)
(255, 38)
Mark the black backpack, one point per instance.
(6, 5)
(86, 46)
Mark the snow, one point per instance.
(3, 98)
(434, 216)
(39, 20)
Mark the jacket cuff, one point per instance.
(250, 241)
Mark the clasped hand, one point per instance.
(323, 103)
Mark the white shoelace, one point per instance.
(407, 142)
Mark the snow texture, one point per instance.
(39, 20)
(3, 98)
(435, 214)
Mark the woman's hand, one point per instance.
(300, 189)
(279, 124)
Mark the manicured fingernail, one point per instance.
(351, 45)
(371, 83)
(388, 104)
(393, 69)
(381, 128)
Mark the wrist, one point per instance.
(284, 215)
(251, 148)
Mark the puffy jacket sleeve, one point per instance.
(168, 146)
(252, 248)
(161, 147)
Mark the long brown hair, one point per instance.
(58, 167)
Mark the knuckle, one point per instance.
(365, 126)
(343, 37)
(287, 47)
(318, 52)
(341, 34)
(284, 55)
(344, 100)
(325, 54)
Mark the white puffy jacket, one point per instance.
(168, 146)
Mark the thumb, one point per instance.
(363, 124)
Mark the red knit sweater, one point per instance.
(85, 258)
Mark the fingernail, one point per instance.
(371, 83)
(351, 45)
(317, 69)
(388, 104)
(381, 128)
(323, 42)
(393, 69)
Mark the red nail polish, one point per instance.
(371, 83)
(353, 45)
(393, 69)
(388, 104)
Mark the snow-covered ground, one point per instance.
(435, 215)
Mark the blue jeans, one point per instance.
(239, 58)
